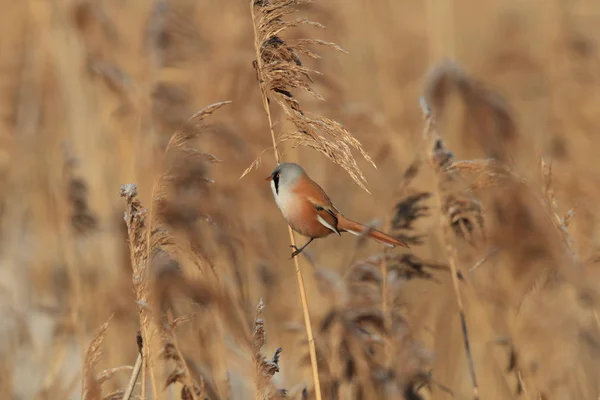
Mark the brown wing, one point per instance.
(323, 199)
(329, 218)
(326, 211)
(317, 194)
(321, 202)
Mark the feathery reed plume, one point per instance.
(536, 270)
(533, 263)
(91, 389)
(356, 336)
(83, 219)
(280, 72)
(181, 373)
(264, 369)
(179, 233)
(180, 217)
(440, 158)
(406, 212)
(561, 223)
(182, 227)
(168, 285)
(405, 266)
(135, 219)
(487, 117)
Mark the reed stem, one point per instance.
(430, 133)
(300, 279)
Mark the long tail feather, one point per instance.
(355, 228)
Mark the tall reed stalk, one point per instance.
(279, 73)
(439, 158)
(299, 277)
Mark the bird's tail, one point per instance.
(357, 229)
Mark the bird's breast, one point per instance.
(300, 214)
(286, 201)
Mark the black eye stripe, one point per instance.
(276, 181)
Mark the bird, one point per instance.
(309, 211)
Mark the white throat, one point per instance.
(283, 198)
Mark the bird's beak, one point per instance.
(269, 178)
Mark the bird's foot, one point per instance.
(296, 251)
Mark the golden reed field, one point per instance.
(143, 255)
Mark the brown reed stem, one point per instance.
(144, 371)
(384, 288)
(430, 133)
(522, 384)
(261, 83)
(300, 278)
(459, 302)
(135, 219)
(309, 333)
(134, 376)
(387, 316)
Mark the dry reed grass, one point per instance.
(163, 305)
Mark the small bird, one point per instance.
(309, 211)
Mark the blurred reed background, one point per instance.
(92, 92)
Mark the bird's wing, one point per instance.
(325, 200)
(326, 215)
